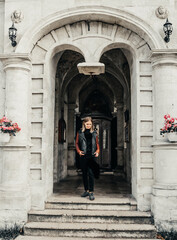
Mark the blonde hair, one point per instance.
(87, 119)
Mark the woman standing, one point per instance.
(88, 148)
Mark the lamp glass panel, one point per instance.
(10, 31)
(14, 32)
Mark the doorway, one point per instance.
(98, 105)
(127, 61)
(103, 97)
(103, 127)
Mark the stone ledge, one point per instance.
(165, 187)
(66, 238)
(15, 55)
(14, 146)
(164, 144)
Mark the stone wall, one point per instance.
(51, 27)
(39, 9)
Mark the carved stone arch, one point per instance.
(103, 13)
(54, 34)
(69, 75)
(66, 37)
(112, 36)
(104, 89)
(77, 89)
(42, 54)
(118, 75)
(137, 46)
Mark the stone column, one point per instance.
(71, 134)
(164, 65)
(164, 191)
(14, 183)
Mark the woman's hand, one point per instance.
(81, 153)
(96, 154)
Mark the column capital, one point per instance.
(164, 57)
(15, 60)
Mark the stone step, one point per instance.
(93, 230)
(69, 238)
(63, 215)
(100, 203)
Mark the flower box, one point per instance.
(170, 128)
(172, 136)
(7, 127)
(4, 138)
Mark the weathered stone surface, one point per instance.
(140, 76)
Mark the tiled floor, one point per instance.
(106, 185)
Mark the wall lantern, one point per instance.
(13, 35)
(168, 29)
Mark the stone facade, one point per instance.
(39, 81)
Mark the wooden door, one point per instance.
(103, 128)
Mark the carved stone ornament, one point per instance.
(17, 16)
(161, 12)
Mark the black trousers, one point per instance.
(87, 174)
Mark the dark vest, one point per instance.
(83, 142)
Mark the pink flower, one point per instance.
(167, 116)
(172, 120)
(5, 119)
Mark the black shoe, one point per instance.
(85, 194)
(91, 196)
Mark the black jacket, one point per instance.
(81, 142)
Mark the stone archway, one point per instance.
(58, 33)
(101, 13)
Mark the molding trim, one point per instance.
(16, 60)
(164, 145)
(15, 55)
(164, 57)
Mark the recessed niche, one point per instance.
(35, 158)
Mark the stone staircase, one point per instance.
(75, 218)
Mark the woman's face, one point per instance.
(88, 125)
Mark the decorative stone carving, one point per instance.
(161, 12)
(17, 16)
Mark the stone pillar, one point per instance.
(120, 138)
(14, 183)
(71, 134)
(2, 89)
(165, 86)
(164, 191)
